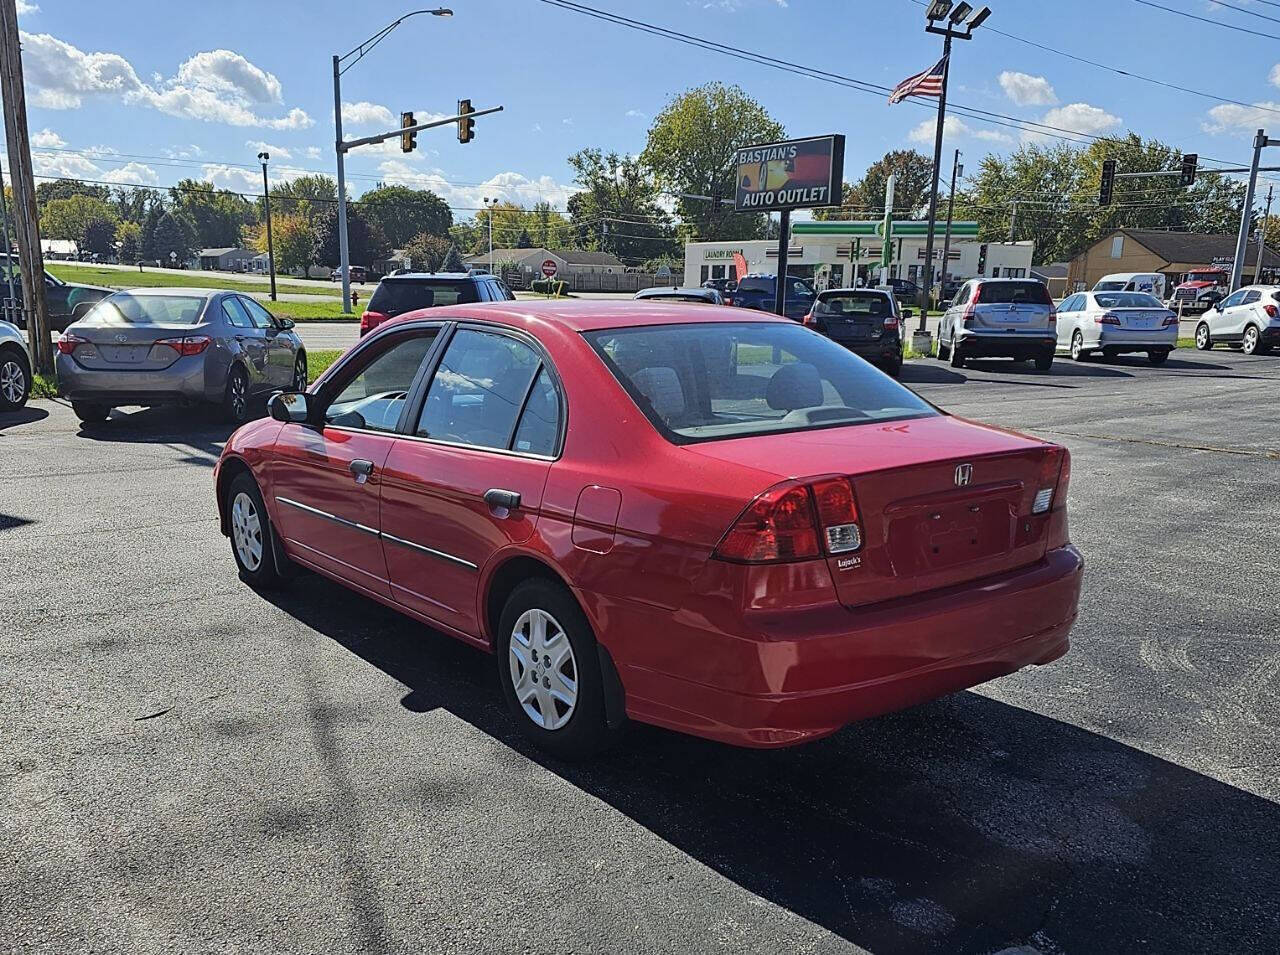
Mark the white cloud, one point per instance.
(1275, 75)
(216, 86)
(25, 7)
(47, 139)
(1077, 118)
(1242, 120)
(276, 152)
(509, 186)
(135, 173)
(567, 121)
(248, 180)
(956, 128)
(81, 165)
(637, 114)
(312, 152)
(1027, 90)
(537, 127)
(367, 114)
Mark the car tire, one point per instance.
(1204, 341)
(953, 352)
(15, 379)
(300, 373)
(91, 412)
(1251, 340)
(251, 533)
(1078, 352)
(893, 368)
(943, 352)
(1158, 357)
(1044, 362)
(549, 621)
(235, 398)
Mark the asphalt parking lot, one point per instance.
(188, 766)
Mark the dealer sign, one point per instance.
(798, 174)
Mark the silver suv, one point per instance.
(999, 318)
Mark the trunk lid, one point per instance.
(1139, 319)
(121, 347)
(925, 524)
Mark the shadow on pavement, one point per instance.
(25, 415)
(184, 429)
(965, 825)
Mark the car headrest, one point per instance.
(794, 386)
(661, 386)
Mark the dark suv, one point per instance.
(760, 292)
(65, 301)
(397, 294)
(867, 321)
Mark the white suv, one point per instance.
(1249, 317)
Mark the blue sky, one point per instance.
(152, 92)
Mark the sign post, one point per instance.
(779, 177)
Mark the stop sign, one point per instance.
(549, 268)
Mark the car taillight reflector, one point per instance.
(1271, 311)
(189, 345)
(777, 526)
(67, 342)
(1055, 474)
(1170, 319)
(1107, 319)
(837, 515)
(1053, 316)
(891, 322)
(809, 321)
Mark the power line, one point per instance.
(1216, 23)
(1253, 13)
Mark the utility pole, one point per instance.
(24, 191)
(946, 242)
(271, 249)
(1013, 221)
(1246, 214)
(1262, 238)
(489, 210)
(784, 240)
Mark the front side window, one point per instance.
(261, 317)
(700, 382)
(478, 390)
(1234, 299)
(375, 397)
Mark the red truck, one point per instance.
(1199, 290)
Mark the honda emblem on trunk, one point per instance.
(964, 474)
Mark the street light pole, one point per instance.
(946, 242)
(490, 209)
(271, 249)
(1262, 238)
(340, 148)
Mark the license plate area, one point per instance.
(124, 354)
(956, 530)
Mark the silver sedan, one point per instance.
(177, 346)
(1115, 323)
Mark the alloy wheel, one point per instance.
(1202, 337)
(543, 669)
(1077, 346)
(13, 382)
(300, 375)
(246, 531)
(239, 396)
(1250, 340)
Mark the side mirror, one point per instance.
(908, 313)
(284, 324)
(1217, 306)
(291, 407)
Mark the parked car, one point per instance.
(65, 301)
(723, 286)
(866, 321)
(1150, 282)
(946, 291)
(999, 318)
(904, 290)
(1116, 323)
(759, 291)
(1249, 317)
(15, 368)
(1199, 290)
(717, 522)
(358, 274)
(189, 346)
(397, 294)
(696, 296)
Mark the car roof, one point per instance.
(655, 292)
(586, 316)
(424, 276)
(841, 291)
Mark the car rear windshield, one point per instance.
(705, 381)
(1128, 300)
(853, 305)
(1014, 293)
(395, 296)
(677, 297)
(127, 309)
(1109, 286)
(755, 285)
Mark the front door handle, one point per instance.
(498, 499)
(360, 469)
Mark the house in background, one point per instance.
(1054, 275)
(234, 259)
(569, 262)
(1171, 253)
(59, 249)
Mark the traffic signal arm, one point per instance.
(351, 144)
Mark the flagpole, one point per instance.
(937, 174)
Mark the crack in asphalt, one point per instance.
(1269, 453)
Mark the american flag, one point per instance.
(928, 83)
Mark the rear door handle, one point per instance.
(498, 499)
(360, 469)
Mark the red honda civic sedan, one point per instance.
(726, 525)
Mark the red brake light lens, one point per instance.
(67, 342)
(1108, 319)
(1271, 311)
(371, 320)
(185, 347)
(837, 515)
(777, 526)
(891, 322)
(1170, 319)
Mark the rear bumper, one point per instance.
(183, 381)
(1145, 340)
(975, 344)
(837, 666)
(879, 351)
(1271, 335)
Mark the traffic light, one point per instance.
(1189, 163)
(982, 259)
(466, 125)
(408, 141)
(1108, 182)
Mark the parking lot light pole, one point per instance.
(355, 54)
(271, 249)
(491, 209)
(956, 168)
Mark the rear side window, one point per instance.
(396, 296)
(854, 305)
(540, 421)
(478, 390)
(236, 313)
(1014, 293)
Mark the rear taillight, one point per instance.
(371, 320)
(1271, 310)
(793, 521)
(728, 299)
(890, 323)
(189, 345)
(1107, 319)
(1055, 474)
(809, 321)
(67, 342)
(1053, 317)
(1170, 319)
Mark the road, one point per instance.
(189, 766)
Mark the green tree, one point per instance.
(132, 202)
(524, 240)
(67, 218)
(468, 235)
(865, 198)
(311, 196)
(129, 235)
(172, 239)
(365, 242)
(148, 239)
(291, 236)
(402, 213)
(690, 150)
(46, 192)
(99, 236)
(617, 210)
(426, 251)
(453, 261)
(218, 214)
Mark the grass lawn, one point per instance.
(177, 278)
(310, 311)
(319, 360)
